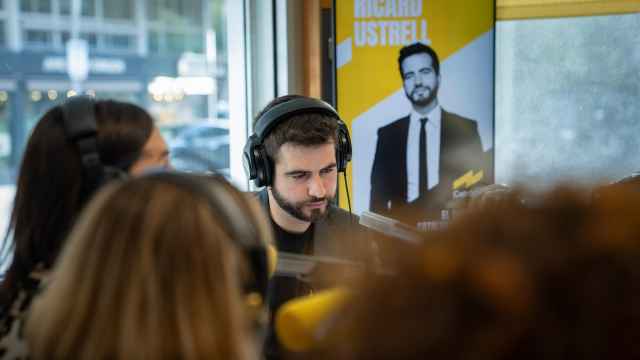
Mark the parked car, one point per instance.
(201, 147)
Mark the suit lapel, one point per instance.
(448, 135)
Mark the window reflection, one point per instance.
(178, 45)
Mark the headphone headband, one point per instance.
(81, 128)
(79, 119)
(259, 166)
(274, 116)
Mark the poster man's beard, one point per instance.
(424, 101)
(295, 209)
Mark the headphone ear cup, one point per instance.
(262, 166)
(343, 148)
(248, 158)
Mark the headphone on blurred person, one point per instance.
(258, 165)
(80, 127)
(245, 233)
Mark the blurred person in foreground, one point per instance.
(54, 185)
(555, 279)
(154, 270)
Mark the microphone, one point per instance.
(272, 259)
(390, 227)
(303, 323)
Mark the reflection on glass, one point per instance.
(3, 40)
(118, 9)
(38, 38)
(128, 51)
(37, 6)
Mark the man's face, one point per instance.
(419, 79)
(305, 180)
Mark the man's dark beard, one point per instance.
(426, 101)
(295, 209)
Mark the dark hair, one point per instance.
(50, 186)
(307, 129)
(554, 280)
(418, 48)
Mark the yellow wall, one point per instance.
(525, 9)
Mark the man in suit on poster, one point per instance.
(418, 157)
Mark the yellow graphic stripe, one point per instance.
(468, 180)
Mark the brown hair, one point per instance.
(151, 272)
(306, 129)
(553, 280)
(51, 188)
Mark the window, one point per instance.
(187, 12)
(65, 7)
(118, 9)
(151, 81)
(154, 42)
(567, 99)
(5, 139)
(37, 6)
(176, 43)
(119, 42)
(91, 39)
(38, 38)
(3, 40)
(87, 7)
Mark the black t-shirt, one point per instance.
(285, 288)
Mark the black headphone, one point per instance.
(258, 165)
(80, 127)
(239, 223)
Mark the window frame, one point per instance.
(531, 9)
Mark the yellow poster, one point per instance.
(415, 84)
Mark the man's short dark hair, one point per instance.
(417, 48)
(307, 129)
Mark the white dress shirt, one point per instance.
(433, 151)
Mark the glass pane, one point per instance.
(90, 38)
(187, 102)
(118, 9)
(3, 40)
(567, 99)
(7, 166)
(119, 42)
(154, 42)
(176, 43)
(154, 8)
(38, 38)
(177, 12)
(88, 8)
(65, 7)
(39, 6)
(5, 141)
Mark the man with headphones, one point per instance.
(298, 148)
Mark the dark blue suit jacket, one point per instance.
(460, 151)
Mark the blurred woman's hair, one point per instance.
(51, 188)
(151, 271)
(554, 280)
